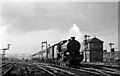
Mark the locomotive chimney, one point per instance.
(73, 38)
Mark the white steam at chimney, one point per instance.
(75, 32)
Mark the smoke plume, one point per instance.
(75, 32)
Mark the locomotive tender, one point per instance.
(65, 53)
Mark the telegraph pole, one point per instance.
(4, 49)
(111, 49)
(44, 42)
(111, 45)
(86, 45)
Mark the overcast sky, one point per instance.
(26, 24)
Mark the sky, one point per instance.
(26, 24)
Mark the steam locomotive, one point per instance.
(67, 53)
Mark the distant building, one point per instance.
(94, 51)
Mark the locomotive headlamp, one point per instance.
(67, 53)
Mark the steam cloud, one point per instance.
(75, 32)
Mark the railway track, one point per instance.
(63, 71)
(30, 69)
(101, 69)
(33, 70)
(25, 69)
(52, 71)
(6, 68)
(89, 70)
(58, 71)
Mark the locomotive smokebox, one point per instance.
(73, 38)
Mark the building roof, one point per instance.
(92, 40)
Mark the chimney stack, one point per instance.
(73, 38)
